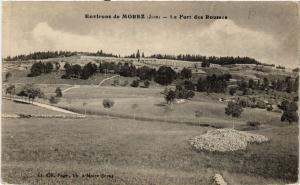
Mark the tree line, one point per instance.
(41, 55)
(284, 85)
(208, 59)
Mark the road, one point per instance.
(50, 107)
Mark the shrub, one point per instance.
(116, 82)
(253, 123)
(107, 103)
(7, 76)
(269, 108)
(260, 104)
(58, 92)
(170, 96)
(53, 100)
(134, 83)
(232, 91)
(146, 84)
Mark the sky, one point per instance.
(266, 31)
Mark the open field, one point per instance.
(136, 152)
(149, 103)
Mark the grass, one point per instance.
(136, 152)
(20, 76)
(11, 107)
(148, 104)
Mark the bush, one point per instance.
(116, 82)
(253, 123)
(134, 83)
(260, 104)
(269, 108)
(232, 91)
(53, 100)
(107, 103)
(58, 92)
(170, 95)
(146, 84)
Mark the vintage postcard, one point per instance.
(144, 93)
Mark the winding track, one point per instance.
(77, 86)
(50, 107)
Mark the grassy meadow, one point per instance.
(139, 140)
(136, 152)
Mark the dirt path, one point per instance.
(50, 107)
(75, 86)
(107, 79)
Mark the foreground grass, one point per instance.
(136, 152)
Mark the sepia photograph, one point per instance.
(150, 93)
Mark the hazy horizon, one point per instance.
(266, 31)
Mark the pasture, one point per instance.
(136, 152)
(149, 104)
(141, 139)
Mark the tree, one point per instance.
(11, 89)
(232, 91)
(186, 73)
(88, 70)
(290, 112)
(7, 76)
(170, 96)
(138, 56)
(76, 70)
(58, 92)
(146, 84)
(53, 100)
(134, 83)
(234, 110)
(205, 64)
(108, 103)
(145, 73)
(116, 82)
(48, 67)
(30, 92)
(165, 75)
(57, 66)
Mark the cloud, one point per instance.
(220, 38)
(226, 38)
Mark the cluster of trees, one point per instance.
(137, 55)
(289, 111)
(31, 92)
(39, 67)
(41, 55)
(164, 75)
(213, 83)
(76, 71)
(99, 53)
(285, 85)
(180, 92)
(211, 59)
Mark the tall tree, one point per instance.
(234, 110)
